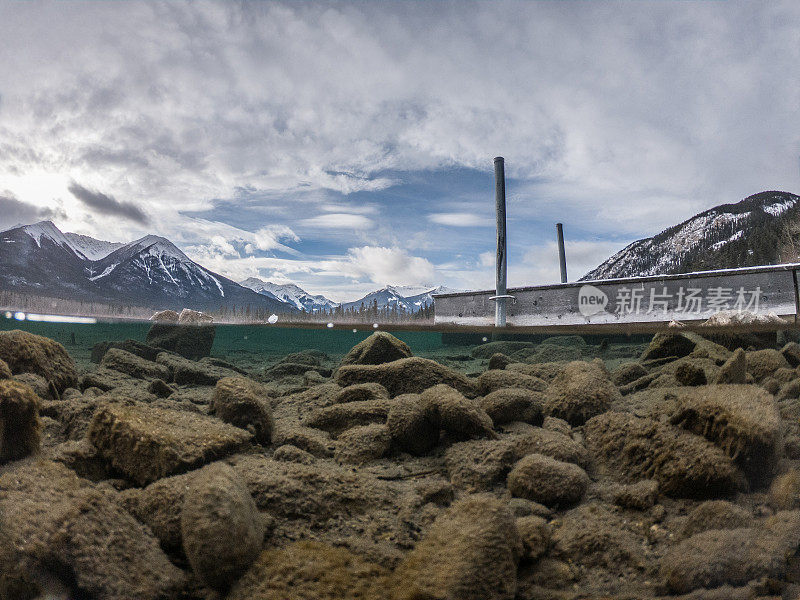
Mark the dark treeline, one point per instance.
(16, 301)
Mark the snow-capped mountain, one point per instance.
(407, 298)
(748, 233)
(291, 294)
(91, 248)
(150, 272)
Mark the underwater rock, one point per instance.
(690, 374)
(557, 425)
(52, 517)
(82, 458)
(290, 453)
(20, 427)
(489, 381)
(5, 371)
(130, 364)
(184, 371)
(557, 445)
(505, 405)
(627, 373)
(479, 465)
(638, 496)
(28, 353)
(362, 444)
(732, 556)
(784, 493)
(314, 441)
(285, 369)
(361, 392)
(377, 349)
(743, 420)
(160, 388)
(591, 535)
(534, 532)
(461, 417)
(548, 481)
(470, 553)
(581, 391)
(685, 465)
(715, 514)
(763, 363)
(133, 346)
(339, 417)
(40, 386)
(666, 345)
(221, 527)
(413, 425)
(406, 376)
(735, 369)
(498, 361)
(502, 347)
(309, 570)
(791, 352)
(190, 341)
(242, 402)
(147, 443)
(546, 371)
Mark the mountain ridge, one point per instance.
(750, 232)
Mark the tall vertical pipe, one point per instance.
(500, 208)
(562, 257)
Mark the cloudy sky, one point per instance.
(347, 146)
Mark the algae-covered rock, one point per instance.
(498, 361)
(339, 417)
(413, 425)
(684, 464)
(716, 514)
(309, 570)
(581, 391)
(243, 403)
(503, 347)
(362, 444)
(784, 493)
(361, 392)
(479, 465)
(459, 416)
(743, 420)
(52, 517)
(191, 372)
(28, 353)
(191, 341)
(555, 444)
(732, 556)
(638, 496)
(379, 348)
(470, 553)
(505, 405)
(314, 441)
(627, 373)
(734, 370)
(489, 381)
(147, 443)
(135, 366)
(406, 376)
(665, 345)
(548, 481)
(5, 370)
(20, 427)
(763, 363)
(221, 527)
(534, 532)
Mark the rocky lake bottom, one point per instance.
(160, 463)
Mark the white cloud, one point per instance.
(385, 266)
(458, 219)
(338, 221)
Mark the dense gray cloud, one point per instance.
(107, 205)
(15, 212)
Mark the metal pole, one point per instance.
(562, 257)
(500, 208)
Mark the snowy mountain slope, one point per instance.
(392, 296)
(91, 248)
(747, 233)
(289, 293)
(150, 272)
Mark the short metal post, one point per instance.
(562, 257)
(500, 208)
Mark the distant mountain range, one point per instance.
(762, 229)
(150, 272)
(409, 299)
